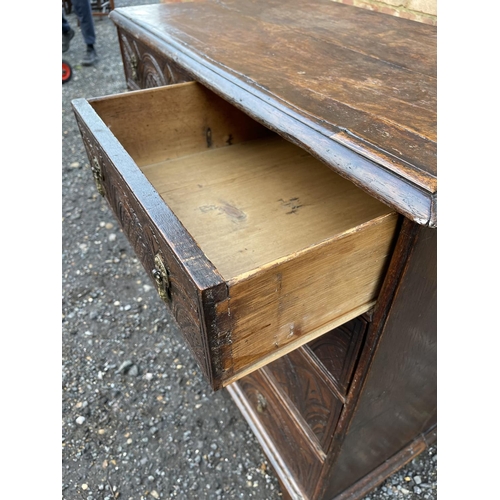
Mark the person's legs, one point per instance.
(83, 10)
(65, 25)
(67, 34)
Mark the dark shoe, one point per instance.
(66, 38)
(90, 57)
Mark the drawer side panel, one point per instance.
(284, 305)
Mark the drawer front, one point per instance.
(278, 430)
(338, 351)
(145, 67)
(185, 281)
(309, 392)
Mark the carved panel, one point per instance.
(281, 429)
(313, 398)
(338, 350)
(146, 68)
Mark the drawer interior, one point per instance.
(248, 197)
(297, 249)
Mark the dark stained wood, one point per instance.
(145, 67)
(390, 466)
(151, 228)
(298, 375)
(280, 465)
(284, 491)
(338, 351)
(366, 105)
(395, 401)
(267, 406)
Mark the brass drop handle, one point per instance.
(261, 403)
(98, 177)
(160, 275)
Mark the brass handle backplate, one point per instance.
(261, 403)
(160, 275)
(98, 177)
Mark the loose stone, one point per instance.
(125, 366)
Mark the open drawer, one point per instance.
(255, 246)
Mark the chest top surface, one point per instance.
(357, 89)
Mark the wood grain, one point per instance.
(259, 202)
(268, 408)
(161, 124)
(310, 395)
(334, 94)
(318, 288)
(338, 351)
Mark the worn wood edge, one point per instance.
(299, 342)
(191, 258)
(216, 338)
(374, 154)
(383, 157)
(124, 96)
(279, 465)
(335, 132)
(316, 140)
(292, 410)
(378, 475)
(433, 218)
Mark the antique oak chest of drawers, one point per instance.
(274, 170)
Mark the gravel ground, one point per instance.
(138, 420)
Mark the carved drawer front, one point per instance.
(338, 351)
(145, 67)
(282, 435)
(255, 246)
(309, 393)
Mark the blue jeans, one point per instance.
(83, 11)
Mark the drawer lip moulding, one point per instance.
(255, 246)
